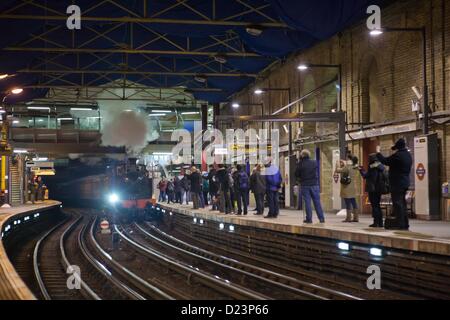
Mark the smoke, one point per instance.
(124, 125)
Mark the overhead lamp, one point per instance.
(416, 91)
(220, 58)
(200, 78)
(235, 105)
(302, 67)
(3, 76)
(190, 113)
(376, 32)
(286, 128)
(17, 91)
(65, 119)
(157, 115)
(81, 109)
(20, 151)
(254, 30)
(38, 108)
(161, 111)
(40, 159)
(259, 91)
(16, 121)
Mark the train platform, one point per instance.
(431, 237)
(11, 285)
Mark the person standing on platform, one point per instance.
(258, 187)
(306, 173)
(224, 180)
(162, 186)
(186, 187)
(347, 170)
(273, 186)
(213, 187)
(178, 190)
(205, 188)
(376, 185)
(196, 182)
(242, 190)
(399, 170)
(170, 191)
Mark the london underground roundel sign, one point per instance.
(420, 171)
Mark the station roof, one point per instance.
(213, 48)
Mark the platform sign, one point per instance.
(336, 186)
(426, 173)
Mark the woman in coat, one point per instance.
(349, 171)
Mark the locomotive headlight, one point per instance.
(113, 198)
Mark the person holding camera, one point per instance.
(347, 170)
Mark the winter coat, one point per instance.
(185, 183)
(177, 184)
(348, 191)
(306, 172)
(373, 177)
(399, 169)
(213, 183)
(223, 178)
(162, 185)
(196, 182)
(257, 183)
(273, 178)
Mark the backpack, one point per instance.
(243, 181)
(345, 178)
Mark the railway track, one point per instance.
(273, 284)
(197, 284)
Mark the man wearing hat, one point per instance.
(399, 170)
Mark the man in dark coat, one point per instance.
(242, 187)
(306, 174)
(399, 170)
(213, 187)
(224, 179)
(196, 186)
(258, 187)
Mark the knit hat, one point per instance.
(400, 144)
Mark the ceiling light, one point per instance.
(20, 151)
(376, 32)
(38, 108)
(40, 159)
(235, 105)
(189, 113)
(157, 115)
(65, 119)
(302, 67)
(16, 121)
(17, 91)
(200, 78)
(81, 109)
(259, 91)
(220, 58)
(3, 76)
(161, 111)
(254, 30)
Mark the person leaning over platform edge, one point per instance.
(273, 186)
(258, 187)
(399, 170)
(375, 187)
(306, 173)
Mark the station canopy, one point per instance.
(211, 48)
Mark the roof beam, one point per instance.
(130, 51)
(114, 87)
(149, 73)
(147, 20)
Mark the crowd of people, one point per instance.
(227, 189)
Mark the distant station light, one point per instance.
(377, 252)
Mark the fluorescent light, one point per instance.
(17, 91)
(190, 113)
(285, 128)
(40, 159)
(128, 110)
(67, 119)
(20, 151)
(235, 105)
(157, 115)
(168, 130)
(343, 246)
(38, 108)
(259, 91)
(40, 120)
(376, 32)
(162, 153)
(16, 121)
(81, 109)
(376, 252)
(161, 111)
(302, 67)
